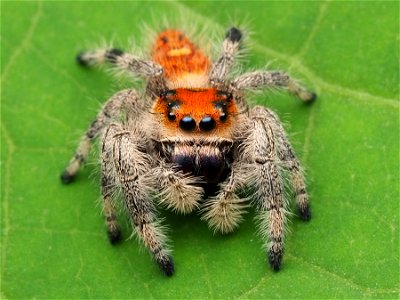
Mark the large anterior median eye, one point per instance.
(187, 123)
(207, 123)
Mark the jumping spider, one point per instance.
(191, 142)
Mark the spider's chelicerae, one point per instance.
(191, 142)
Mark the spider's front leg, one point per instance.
(132, 171)
(261, 150)
(224, 211)
(122, 101)
(179, 191)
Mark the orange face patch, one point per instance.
(198, 111)
(178, 55)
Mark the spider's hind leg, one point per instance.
(230, 49)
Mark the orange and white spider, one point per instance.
(190, 142)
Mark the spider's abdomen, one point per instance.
(181, 60)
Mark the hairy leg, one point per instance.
(272, 79)
(224, 211)
(290, 162)
(133, 172)
(109, 187)
(179, 192)
(230, 48)
(124, 100)
(121, 60)
(261, 149)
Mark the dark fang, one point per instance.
(187, 123)
(207, 123)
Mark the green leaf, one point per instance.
(53, 242)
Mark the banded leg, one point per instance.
(121, 60)
(287, 155)
(179, 192)
(108, 189)
(110, 111)
(230, 48)
(269, 185)
(132, 169)
(272, 79)
(225, 211)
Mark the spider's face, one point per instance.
(200, 112)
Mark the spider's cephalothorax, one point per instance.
(197, 130)
(190, 142)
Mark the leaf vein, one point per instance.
(25, 41)
(305, 71)
(317, 24)
(6, 193)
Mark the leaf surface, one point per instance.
(53, 242)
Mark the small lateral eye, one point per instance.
(165, 39)
(221, 106)
(171, 116)
(223, 116)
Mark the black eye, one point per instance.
(223, 110)
(207, 123)
(165, 39)
(223, 116)
(171, 116)
(187, 123)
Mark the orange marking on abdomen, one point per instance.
(178, 55)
